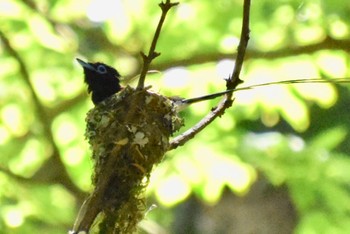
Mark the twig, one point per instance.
(152, 54)
(232, 82)
(62, 176)
(190, 133)
(203, 57)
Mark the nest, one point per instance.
(128, 134)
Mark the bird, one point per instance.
(128, 131)
(102, 80)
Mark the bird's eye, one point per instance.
(101, 69)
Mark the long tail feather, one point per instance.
(296, 81)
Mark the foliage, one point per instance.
(295, 135)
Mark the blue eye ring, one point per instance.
(101, 69)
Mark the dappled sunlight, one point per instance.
(178, 77)
(272, 39)
(10, 9)
(294, 136)
(281, 98)
(201, 171)
(264, 141)
(226, 123)
(102, 10)
(225, 68)
(4, 135)
(186, 12)
(338, 28)
(296, 143)
(13, 217)
(333, 64)
(306, 35)
(228, 44)
(46, 36)
(12, 118)
(42, 84)
(65, 130)
(172, 190)
(324, 95)
(278, 99)
(297, 67)
(188, 169)
(284, 15)
(57, 194)
(224, 172)
(29, 160)
(295, 113)
(73, 156)
(221, 171)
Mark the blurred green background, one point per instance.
(276, 162)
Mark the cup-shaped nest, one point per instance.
(128, 134)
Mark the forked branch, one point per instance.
(231, 83)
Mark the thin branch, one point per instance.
(152, 54)
(232, 82)
(62, 176)
(327, 44)
(192, 132)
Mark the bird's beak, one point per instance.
(85, 65)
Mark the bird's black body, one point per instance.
(102, 80)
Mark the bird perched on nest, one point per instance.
(128, 131)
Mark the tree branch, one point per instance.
(327, 44)
(152, 54)
(232, 82)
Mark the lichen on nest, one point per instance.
(128, 134)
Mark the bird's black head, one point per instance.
(102, 80)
